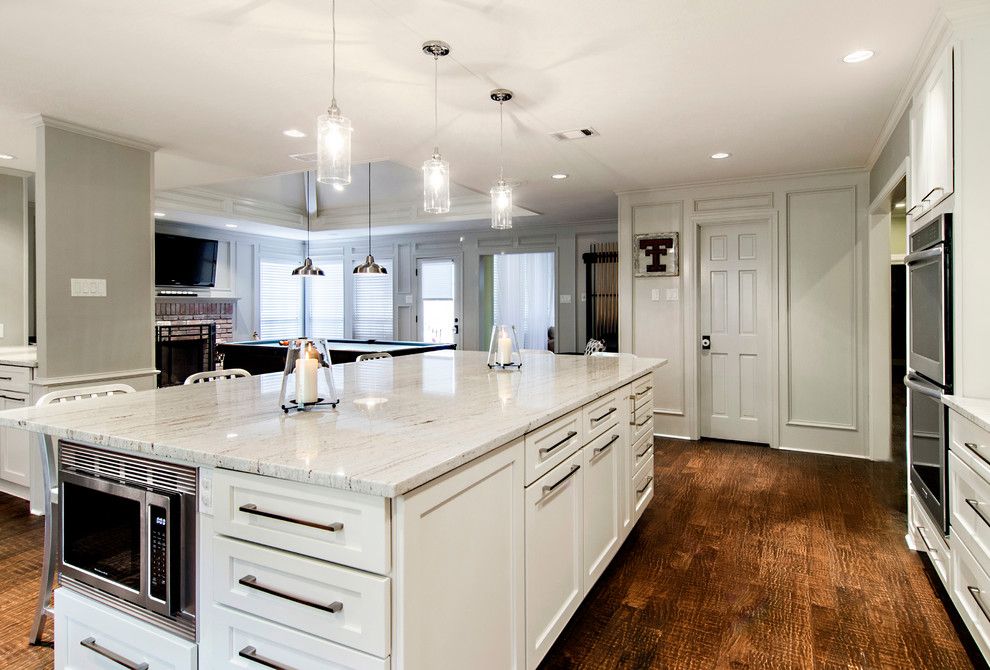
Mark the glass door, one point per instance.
(438, 315)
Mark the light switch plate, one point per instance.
(565, 298)
(655, 295)
(88, 288)
(672, 294)
(408, 299)
(1, 330)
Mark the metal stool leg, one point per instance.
(44, 606)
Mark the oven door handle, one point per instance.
(922, 389)
(924, 255)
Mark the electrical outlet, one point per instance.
(1, 330)
(408, 299)
(655, 295)
(565, 298)
(584, 297)
(672, 294)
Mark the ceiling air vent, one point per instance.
(578, 134)
(304, 158)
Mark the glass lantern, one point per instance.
(333, 148)
(436, 185)
(501, 205)
(303, 361)
(503, 352)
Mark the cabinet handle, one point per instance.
(644, 391)
(931, 550)
(910, 212)
(251, 654)
(547, 490)
(643, 422)
(251, 582)
(251, 508)
(975, 593)
(649, 480)
(90, 643)
(6, 379)
(975, 504)
(975, 448)
(649, 445)
(610, 443)
(570, 436)
(937, 188)
(611, 410)
(7, 397)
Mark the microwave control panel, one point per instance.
(158, 556)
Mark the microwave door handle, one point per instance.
(922, 389)
(934, 252)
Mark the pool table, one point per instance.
(263, 356)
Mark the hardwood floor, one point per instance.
(750, 557)
(747, 558)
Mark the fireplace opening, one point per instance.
(182, 349)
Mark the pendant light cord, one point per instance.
(333, 53)
(501, 140)
(308, 213)
(369, 208)
(436, 104)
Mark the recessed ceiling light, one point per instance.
(721, 155)
(899, 205)
(858, 56)
(292, 132)
(231, 225)
(7, 157)
(559, 175)
(159, 215)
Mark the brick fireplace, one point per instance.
(180, 308)
(187, 330)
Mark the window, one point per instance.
(522, 294)
(372, 307)
(325, 299)
(281, 298)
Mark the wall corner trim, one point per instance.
(68, 126)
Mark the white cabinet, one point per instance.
(554, 554)
(91, 636)
(15, 445)
(603, 472)
(932, 138)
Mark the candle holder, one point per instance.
(503, 352)
(303, 361)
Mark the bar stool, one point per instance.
(214, 375)
(49, 474)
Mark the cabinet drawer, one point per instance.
(971, 593)
(330, 524)
(971, 443)
(236, 640)
(600, 415)
(15, 378)
(969, 503)
(549, 445)
(640, 452)
(642, 488)
(91, 636)
(642, 391)
(642, 422)
(323, 599)
(931, 539)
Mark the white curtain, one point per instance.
(525, 296)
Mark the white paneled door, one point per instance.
(734, 319)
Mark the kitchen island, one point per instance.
(443, 516)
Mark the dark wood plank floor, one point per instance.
(747, 558)
(750, 557)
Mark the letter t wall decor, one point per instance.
(655, 255)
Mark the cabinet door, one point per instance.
(554, 554)
(602, 465)
(938, 130)
(15, 448)
(918, 179)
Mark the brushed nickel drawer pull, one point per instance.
(547, 490)
(931, 550)
(251, 654)
(251, 508)
(975, 592)
(649, 445)
(975, 448)
(649, 480)
(599, 450)
(927, 195)
(975, 504)
(251, 582)
(644, 421)
(611, 410)
(6, 379)
(570, 436)
(90, 643)
(644, 391)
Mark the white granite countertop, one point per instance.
(401, 421)
(976, 410)
(26, 357)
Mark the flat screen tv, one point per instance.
(185, 261)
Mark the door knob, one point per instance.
(706, 342)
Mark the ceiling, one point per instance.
(665, 82)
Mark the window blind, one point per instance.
(280, 299)
(373, 316)
(325, 299)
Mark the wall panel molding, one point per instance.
(734, 202)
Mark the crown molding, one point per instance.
(959, 11)
(14, 172)
(748, 180)
(205, 201)
(68, 126)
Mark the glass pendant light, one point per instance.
(333, 144)
(501, 191)
(307, 269)
(370, 267)
(436, 171)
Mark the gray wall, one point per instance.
(13, 260)
(894, 152)
(94, 221)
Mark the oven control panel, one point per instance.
(158, 556)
